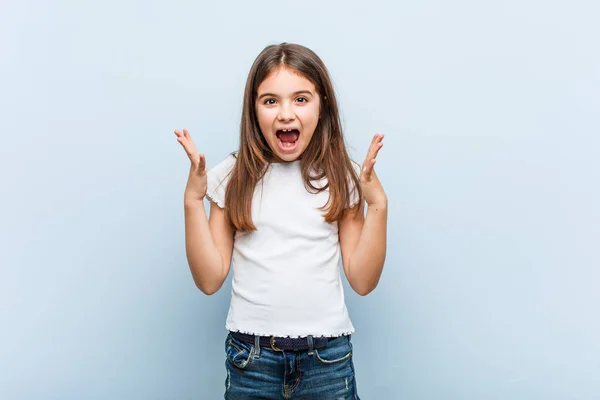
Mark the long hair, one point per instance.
(325, 155)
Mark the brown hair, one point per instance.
(325, 154)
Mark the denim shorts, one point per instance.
(326, 373)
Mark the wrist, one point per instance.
(378, 205)
(190, 201)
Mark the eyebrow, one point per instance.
(294, 94)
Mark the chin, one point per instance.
(287, 153)
(287, 157)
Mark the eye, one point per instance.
(302, 99)
(269, 102)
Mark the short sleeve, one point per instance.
(354, 199)
(217, 178)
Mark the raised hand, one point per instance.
(371, 187)
(197, 181)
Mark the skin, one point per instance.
(285, 99)
(363, 240)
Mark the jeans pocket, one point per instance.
(237, 353)
(338, 351)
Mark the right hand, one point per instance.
(197, 182)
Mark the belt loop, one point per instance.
(256, 346)
(310, 345)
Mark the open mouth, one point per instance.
(287, 139)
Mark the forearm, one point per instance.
(203, 256)
(366, 262)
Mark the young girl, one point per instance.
(283, 209)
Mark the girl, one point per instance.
(283, 209)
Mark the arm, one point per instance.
(363, 245)
(208, 244)
(363, 240)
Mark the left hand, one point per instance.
(371, 187)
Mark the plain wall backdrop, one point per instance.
(491, 166)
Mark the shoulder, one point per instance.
(225, 165)
(217, 178)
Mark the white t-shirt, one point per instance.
(286, 274)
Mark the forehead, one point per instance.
(284, 80)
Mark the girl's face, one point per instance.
(287, 107)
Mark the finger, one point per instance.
(367, 170)
(185, 144)
(201, 163)
(370, 150)
(373, 147)
(192, 154)
(378, 147)
(185, 140)
(187, 135)
(376, 144)
(182, 139)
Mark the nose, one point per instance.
(286, 112)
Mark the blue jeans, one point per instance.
(326, 373)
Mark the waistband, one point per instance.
(284, 343)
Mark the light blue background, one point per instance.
(491, 115)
